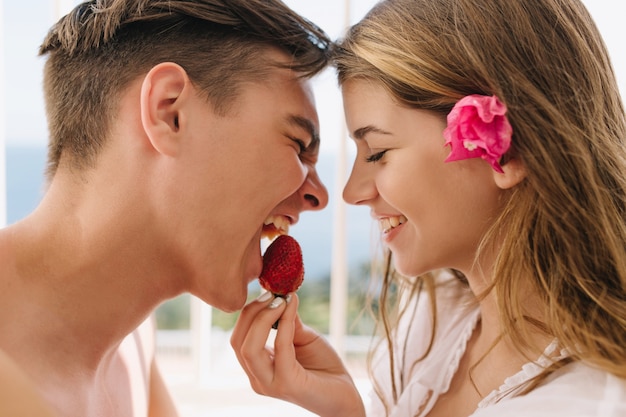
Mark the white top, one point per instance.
(575, 390)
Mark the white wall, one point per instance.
(3, 183)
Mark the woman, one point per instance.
(490, 149)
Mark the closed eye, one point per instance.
(376, 157)
(301, 144)
(309, 128)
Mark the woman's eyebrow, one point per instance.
(361, 132)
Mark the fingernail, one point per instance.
(264, 297)
(288, 298)
(276, 302)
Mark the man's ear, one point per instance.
(163, 92)
(514, 173)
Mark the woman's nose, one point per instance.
(359, 188)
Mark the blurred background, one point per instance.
(337, 243)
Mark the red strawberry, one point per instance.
(283, 270)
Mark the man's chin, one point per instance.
(230, 306)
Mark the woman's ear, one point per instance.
(514, 173)
(163, 93)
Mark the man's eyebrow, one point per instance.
(361, 132)
(307, 125)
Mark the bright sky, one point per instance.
(25, 23)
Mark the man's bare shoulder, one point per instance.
(18, 395)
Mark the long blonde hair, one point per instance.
(563, 230)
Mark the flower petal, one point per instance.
(478, 128)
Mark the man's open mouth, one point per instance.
(274, 226)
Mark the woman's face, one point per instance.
(432, 214)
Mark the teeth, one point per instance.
(394, 221)
(280, 223)
(389, 223)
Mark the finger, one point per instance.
(286, 363)
(257, 359)
(288, 318)
(284, 351)
(303, 334)
(244, 324)
(246, 316)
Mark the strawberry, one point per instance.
(283, 270)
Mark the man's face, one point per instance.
(255, 164)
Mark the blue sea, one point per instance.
(25, 187)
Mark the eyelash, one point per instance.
(301, 144)
(376, 157)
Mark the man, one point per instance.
(18, 395)
(181, 132)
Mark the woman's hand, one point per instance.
(301, 367)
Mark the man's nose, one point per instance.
(314, 192)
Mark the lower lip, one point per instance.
(389, 235)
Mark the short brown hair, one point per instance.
(102, 45)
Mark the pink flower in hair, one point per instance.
(478, 127)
